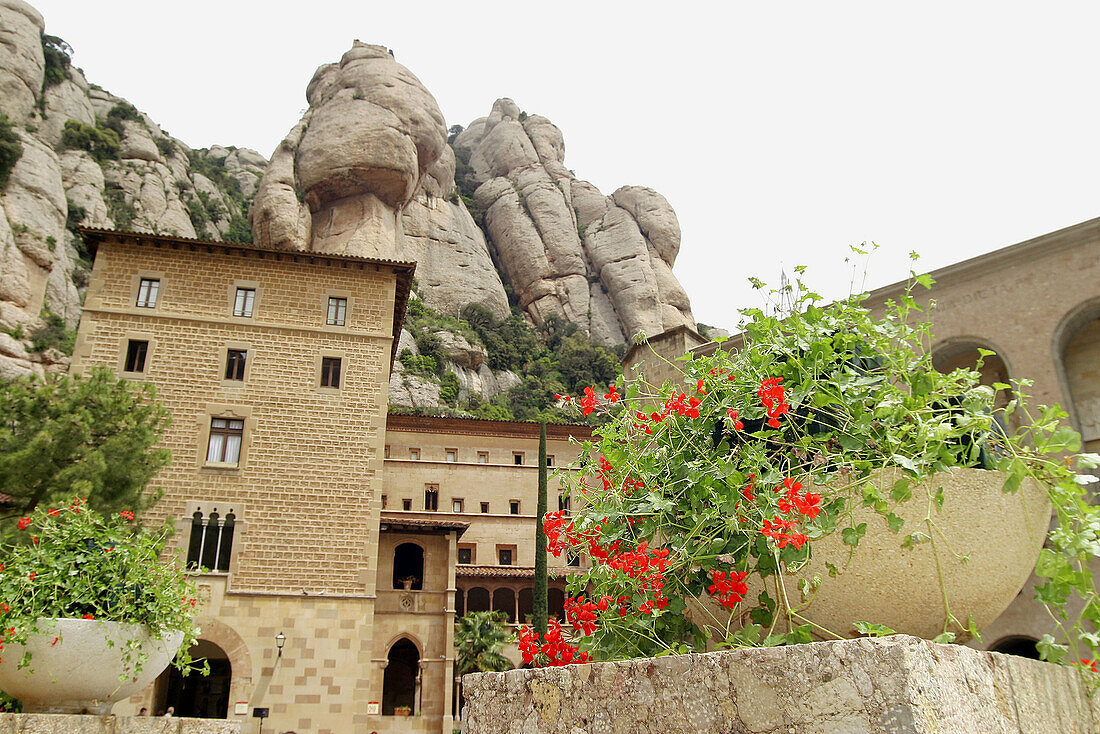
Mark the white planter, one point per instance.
(83, 672)
(883, 583)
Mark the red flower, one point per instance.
(4, 608)
(89, 616)
(588, 402)
(53, 512)
(31, 575)
(54, 641)
(729, 590)
(1089, 664)
(612, 394)
(24, 523)
(126, 515)
(737, 425)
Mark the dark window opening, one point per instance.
(563, 503)
(136, 352)
(408, 563)
(466, 555)
(573, 559)
(517, 459)
(555, 599)
(513, 507)
(484, 506)
(431, 498)
(477, 600)
(406, 504)
(192, 694)
(330, 372)
(504, 555)
(504, 600)
(526, 604)
(234, 364)
(549, 460)
(211, 543)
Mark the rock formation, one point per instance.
(604, 262)
(368, 172)
(89, 157)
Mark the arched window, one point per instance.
(1080, 356)
(477, 600)
(211, 543)
(195, 695)
(408, 564)
(556, 604)
(399, 678)
(526, 604)
(504, 600)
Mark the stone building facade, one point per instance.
(1035, 304)
(334, 548)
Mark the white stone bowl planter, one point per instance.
(81, 673)
(883, 583)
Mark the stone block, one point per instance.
(89, 724)
(893, 685)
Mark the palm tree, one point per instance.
(479, 638)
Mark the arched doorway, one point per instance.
(195, 695)
(408, 563)
(400, 677)
(477, 600)
(1018, 645)
(1081, 363)
(504, 600)
(555, 604)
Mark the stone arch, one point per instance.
(504, 600)
(1076, 346)
(401, 678)
(408, 562)
(230, 679)
(962, 351)
(1019, 645)
(478, 599)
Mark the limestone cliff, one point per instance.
(88, 157)
(604, 262)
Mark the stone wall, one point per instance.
(78, 724)
(893, 685)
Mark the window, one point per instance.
(563, 503)
(431, 497)
(386, 452)
(484, 506)
(549, 460)
(467, 553)
(406, 504)
(330, 372)
(517, 458)
(414, 454)
(211, 542)
(147, 292)
(483, 457)
(513, 507)
(136, 351)
(234, 364)
(456, 504)
(452, 455)
(505, 555)
(225, 441)
(384, 498)
(337, 310)
(242, 304)
(574, 559)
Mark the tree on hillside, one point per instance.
(479, 638)
(90, 436)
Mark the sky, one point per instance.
(781, 133)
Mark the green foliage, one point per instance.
(91, 436)
(120, 209)
(449, 388)
(118, 113)
(479, 639)
(540, 601)
(239, 228)
(58, 57)
(430, 347)
(71, 562)
(74, 216)
(11, 149)
(101, 142)
(763, 451)
(418, 364)
(53, 334)
(453, 132)
(466, 183)
(164, 145)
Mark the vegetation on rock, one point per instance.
(11, 149)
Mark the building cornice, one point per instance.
(483, 427)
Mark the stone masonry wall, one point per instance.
(894, 685)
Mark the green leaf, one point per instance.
(852, 535)
(901, 491)
(895, 522)
(915, 539)
(944, 638)
(873, 630)
(833, 572)
(905, 462)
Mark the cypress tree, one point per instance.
(539, 604)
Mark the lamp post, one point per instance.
(280, 640)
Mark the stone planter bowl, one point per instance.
(81, 673)
(883, 583)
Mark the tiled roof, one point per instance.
(514, 572)
(416, 525)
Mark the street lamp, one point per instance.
(280, 640)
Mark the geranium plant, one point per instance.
(699, 489)
(71, 562)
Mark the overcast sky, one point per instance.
(780, 132)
